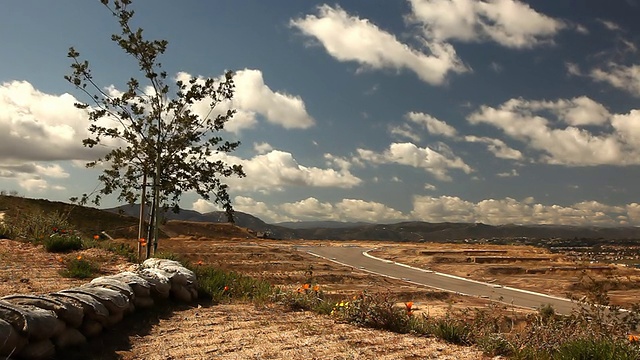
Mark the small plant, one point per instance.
(452, 330)
(378, 312)
(62, 243)
(306, 297)
(79, 268)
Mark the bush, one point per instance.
(596, 349)
(306, 297)
(33, 226)
(378, 312)
(61, 244)
(79, 268)
(454, 331)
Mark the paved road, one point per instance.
(354, 256)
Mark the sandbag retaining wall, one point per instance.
(36, 326)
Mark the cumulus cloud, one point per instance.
(497, 147)
(434, 162)
(204, 206)
(626, 78)
(609, 25)
(446, 209)
(510, 23)
(262, 148)
(508, 210)
(433, 125)
(404, 131)
(41, 127)
(567, 138)
(512, 173)
(350, 38)
(253, 97)
(275, 170)
(345, 210)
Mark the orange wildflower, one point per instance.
(306, 286)
(79, 257)
(199, 262)
(316, 288)
(96, 237)
(409, 306)
(634, 338)
(226, 288)
(60, 259)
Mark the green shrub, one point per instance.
(596, 349)
(378, 312)
(33, 225)
(218, 285)
(79, 268)
(61, 244)
(452, 330)
(306, 297)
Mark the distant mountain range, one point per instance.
(403, 231)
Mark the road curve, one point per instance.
(356, 257)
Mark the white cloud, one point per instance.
(345, 210)
(429, 187)
(350, 38)
(253, 97)
(497, 147)
(508, 210)
(262, 148)
(275, 170)
(614, 143)
(41, 127)
(609, 25)
(623, 77)
(433, 125)
(445, 209)
(510, 23)
(258, 208)
(204, 206)
(409, 154)
(512, 173)
(404, 131)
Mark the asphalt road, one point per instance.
(354, 257)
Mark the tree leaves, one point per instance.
(152, 131)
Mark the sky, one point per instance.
(494, 111)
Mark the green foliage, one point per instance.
(596, 349)
(306, 297)
(33, 225)
(378, 312)
(164, 138)
(62, 243)
(79, 268)
(219, 285)
(452, 330)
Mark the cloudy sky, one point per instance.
(494, 111)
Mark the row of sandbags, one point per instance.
(34, 326)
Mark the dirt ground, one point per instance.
(236, 331)
(245, 331)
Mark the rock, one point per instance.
(69, 312)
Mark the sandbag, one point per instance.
(32, 322)
(181, 293)
(69, 312)
(91, 328)
(143, 302)
(160, 285)
(176, 272)
(92, 308)
(113, 284)
(42, 349)
(10, 341)
(69, 337)
(111, 299)
(118, 286)
(140, 286)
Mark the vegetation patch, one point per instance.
(62, 243)
(79, 268)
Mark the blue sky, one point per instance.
(495, 111)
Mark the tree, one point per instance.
(158, 137)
